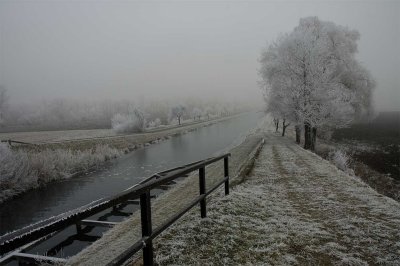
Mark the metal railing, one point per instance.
(19, 240)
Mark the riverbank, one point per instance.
(294, 208)
(124, 234)
(27, 167)
(88, 139)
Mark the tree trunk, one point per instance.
(277, 125)
(179, 120)
(307, 136)
(298, 134)
(313, 138)
(284, 126)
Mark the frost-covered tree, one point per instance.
(208, 111)
(132, 122)
(196, 112)
(312, 78)
(3, 103)
(177, 112)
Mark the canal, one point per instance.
(118, 175)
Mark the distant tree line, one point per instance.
(63, 114)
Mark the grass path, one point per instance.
(294, 209)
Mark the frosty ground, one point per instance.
(123, 235)
(293, 209)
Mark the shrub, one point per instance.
(22, 170)
(342, 160)
(155, 123)
(16, 173)
(129, 123)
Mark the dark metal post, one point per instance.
(145, 215)
(78, 227)
(202, 183)
(226, 174)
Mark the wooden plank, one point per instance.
(98, 223)
(134, 202)
(37, 258)
(10, 257)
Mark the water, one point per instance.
(122, 173)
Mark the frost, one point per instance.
(132, 122)
(294, 208)
(312, 78)
(22, 170)
(341, 159)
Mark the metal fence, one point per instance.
(12, 245)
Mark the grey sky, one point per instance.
(120, 50)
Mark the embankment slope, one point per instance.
(293, 209)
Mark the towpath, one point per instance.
(293, 209)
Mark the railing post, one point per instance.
(145, 215)
(226, 174)
(202, 183)
(78, 227)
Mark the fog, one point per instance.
(165, 50)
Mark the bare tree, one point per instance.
(178, 111)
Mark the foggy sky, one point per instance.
(130, 50)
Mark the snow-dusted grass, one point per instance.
(381, 182)
(22, 170)
(342, 160)
(294, 209)
(42, 137)
(27, 167)
(123, 235)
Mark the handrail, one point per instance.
(18, 238)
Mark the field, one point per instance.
(374, 151)
(376, 144)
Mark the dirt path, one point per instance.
(294, 209)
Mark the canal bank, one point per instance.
(294, 208)
(124, 234)
(42, 160)
(116, 175)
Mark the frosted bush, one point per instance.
(342, 160)
(129, 123)
(12, 165)
(155, 123)
(16, 173)
(58, 164)
(21, 170)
